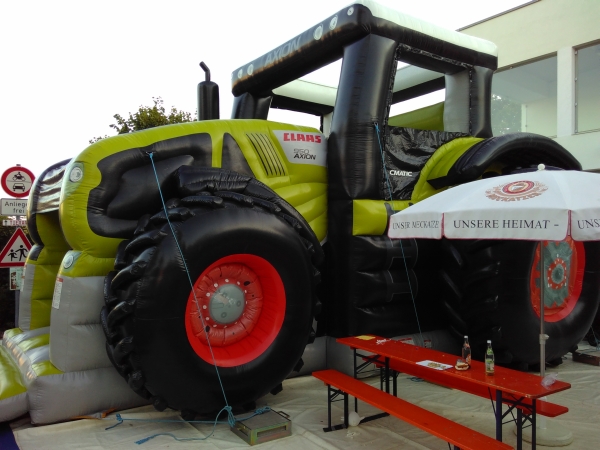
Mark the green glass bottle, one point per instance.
(489, 359)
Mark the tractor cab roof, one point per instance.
(427, 46)
(318, 99)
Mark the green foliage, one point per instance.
(506, 116)
(147, 117)
(99, 138)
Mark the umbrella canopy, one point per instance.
(539, 206)
(536, 206)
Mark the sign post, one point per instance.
(13, 256)
(15, 278)
(16, 182)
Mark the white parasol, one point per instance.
(538, 206)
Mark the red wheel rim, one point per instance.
(249, 329)
(563, 278)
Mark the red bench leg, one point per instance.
(499, 415)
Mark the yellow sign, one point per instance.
(365, 338)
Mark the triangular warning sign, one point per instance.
(15, 252)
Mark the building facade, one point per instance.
(548, 78)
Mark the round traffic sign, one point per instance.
(17, 181)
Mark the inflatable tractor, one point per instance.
(230, 244)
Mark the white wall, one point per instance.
(540, 28)
(540, 117)
(543, 28)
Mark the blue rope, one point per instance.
(231, 420)
(121, 419)
(412, 296)
(230, 417)
(595, 338)
(141, 441)
(387, 178)
(257, 412)
(146, 439)
(227, 407)
(416, 379)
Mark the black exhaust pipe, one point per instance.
(208, 97)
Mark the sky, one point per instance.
(66, 66)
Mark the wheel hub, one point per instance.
(235, 310)
(227, 304)
(562, 278)
(230, 302)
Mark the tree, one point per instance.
(147, 117)
(506, 115)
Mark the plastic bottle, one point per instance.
(466, 351)
(489, 359)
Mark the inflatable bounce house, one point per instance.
(165, 254)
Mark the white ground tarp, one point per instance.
(304, 399)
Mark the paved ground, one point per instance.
(304, 399)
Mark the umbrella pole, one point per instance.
(543, 336)
(556, 435)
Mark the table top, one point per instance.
(506, 380)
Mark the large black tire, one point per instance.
(234, 246)
(492, 291)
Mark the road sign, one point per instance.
(15, 251)
(14, 223)
(17, 181)
(16, 278)
(13, 207)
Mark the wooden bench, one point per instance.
(543, 407)
(452, 432)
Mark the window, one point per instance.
(409, 77)
(524, 98)
(587, 88)
(293, 117)
(418, 102)
(326, 77)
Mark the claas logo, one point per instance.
(302, 137)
